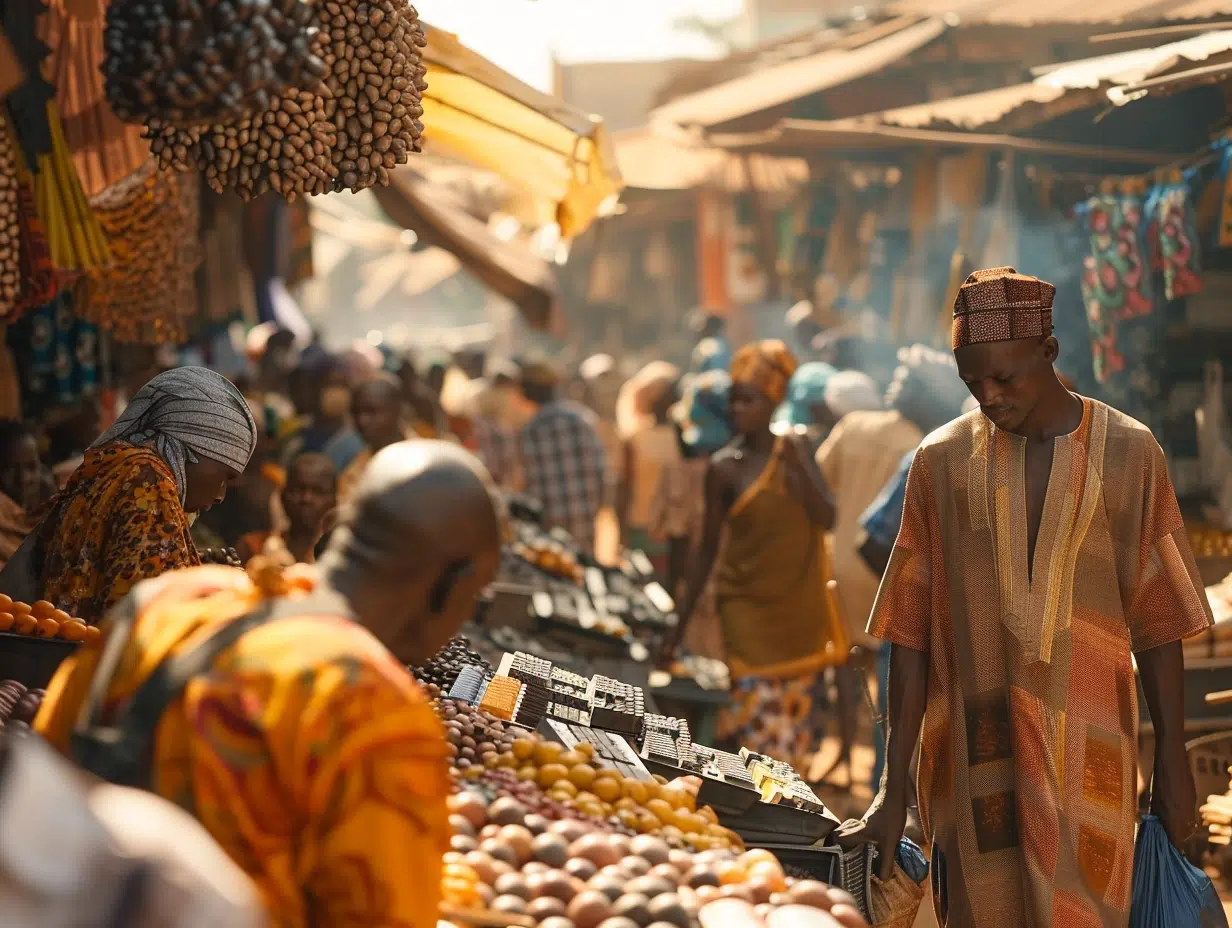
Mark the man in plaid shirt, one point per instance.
(563, 461)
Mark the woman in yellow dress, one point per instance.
(780, 627)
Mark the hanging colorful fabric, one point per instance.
(39, 281)
(1223, 235)
(1114, 279)
(59, 362)
(146, 295)
(10, 224)
(1178, 242)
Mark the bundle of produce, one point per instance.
(18, 706)
(105, 150)
(146, 294)
(346, 134)
(10, 224)
(74, 237)
(43, 620)
(187, 63)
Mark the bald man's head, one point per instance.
(418, 541)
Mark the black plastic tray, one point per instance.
(740, 808)
(30, 660)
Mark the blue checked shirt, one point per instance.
(884, 515)
(565, 467)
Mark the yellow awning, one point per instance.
(481, 114)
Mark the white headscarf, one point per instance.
(849, 391)
(188, 411)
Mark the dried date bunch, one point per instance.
(196, 62)
(344, 134)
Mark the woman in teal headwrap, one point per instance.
(805, 404)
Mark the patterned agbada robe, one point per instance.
(1028, 774)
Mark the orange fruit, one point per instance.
(647, 822)
(459, 871)
(772, 874)
(758, 855)
(528, 774)
(25, 624)
(6, 621)
(585, 748)
(582, 776)
(548, 752)
(607, 789)
(523, 748)
(636, 790)
(571, 759)
(61, 616)
(507, 760)
(731, 871)
(93, 635)
(563, 788)
(661, 810)
(20, 609)
(46, 627)
(549, 774)
(43, 609)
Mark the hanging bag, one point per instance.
(1169, 891)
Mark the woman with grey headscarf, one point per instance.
(125, 513)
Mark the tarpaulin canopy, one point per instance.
(507, 267)
(483, 115)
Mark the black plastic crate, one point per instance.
(30, 660)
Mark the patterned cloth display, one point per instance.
(57, 356)
(1115, 284)
(565, 467)
(777, 717)
(117, 522)
(308, 753)
(1028, 757)
(1173, 237)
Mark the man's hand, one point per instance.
(1174, 798)
(882, 826)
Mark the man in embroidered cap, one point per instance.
(1041, 550)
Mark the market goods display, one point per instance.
(18, 706)
(189, 63)
(571, 873)
(43, 620)
(1210, 542)
(74, 237)
(10, 224)
(345, 134)
(105, 150)
(146, 294)
(443, 667)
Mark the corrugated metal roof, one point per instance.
(1035, 12)
(1172, 82)
(1058, 89)
(782, 83)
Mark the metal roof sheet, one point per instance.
(782, 83)
(1035, 12)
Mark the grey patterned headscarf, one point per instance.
(188, 411)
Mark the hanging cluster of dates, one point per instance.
(344, 129)
(195, 62)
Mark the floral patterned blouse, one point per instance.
(117, 521)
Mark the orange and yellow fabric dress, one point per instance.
(308, 753)
(117, 521)
(1028, 758)
(780, 624)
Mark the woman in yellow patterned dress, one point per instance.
(125, 513)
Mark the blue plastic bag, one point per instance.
(1169, 891)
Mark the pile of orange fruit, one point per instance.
(576, 778)
(43, 620)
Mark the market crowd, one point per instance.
(957, 533)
